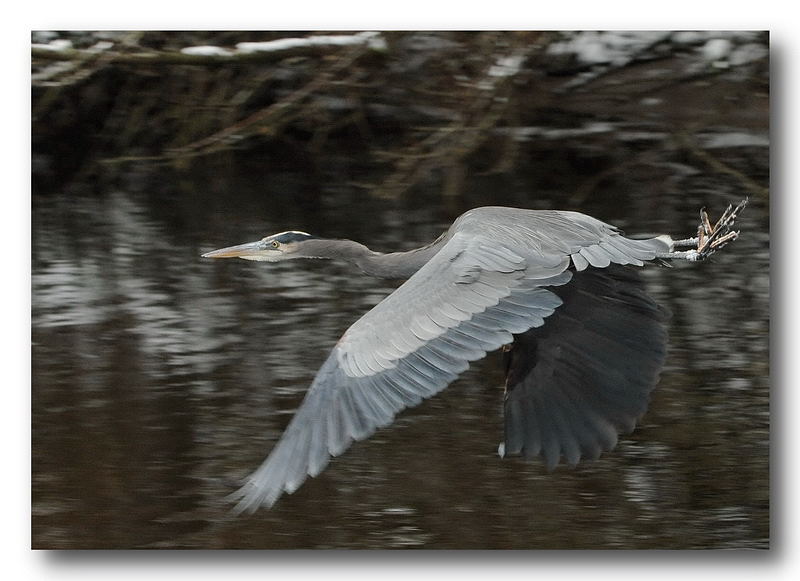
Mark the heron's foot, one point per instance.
(709, 238)
(712, 238)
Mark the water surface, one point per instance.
(160, 379)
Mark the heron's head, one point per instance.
(274, 248)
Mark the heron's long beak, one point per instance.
(246, 251)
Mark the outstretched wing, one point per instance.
(469, 299)
(576, 382)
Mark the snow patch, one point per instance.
(716, 49)
(614, 47)
(56, 45)
(372, 39)
(506, 66)
(206, 50)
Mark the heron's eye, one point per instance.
(275, 243)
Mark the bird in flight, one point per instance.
(583, 343)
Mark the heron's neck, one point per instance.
(392, 265)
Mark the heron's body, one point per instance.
(586, 342)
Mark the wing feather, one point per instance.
(353, 407)
(587, 373)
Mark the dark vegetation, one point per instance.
(406, 109)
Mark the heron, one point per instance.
(557, 291)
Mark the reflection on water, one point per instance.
(160, 379)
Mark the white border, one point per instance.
(20, 562)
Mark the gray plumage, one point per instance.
(587, 341)
(585, 376)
